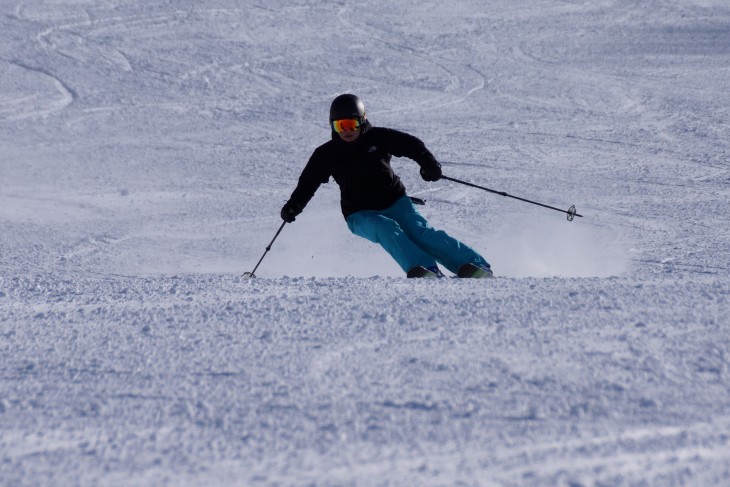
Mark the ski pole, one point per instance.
(251, 274)
(570, 211)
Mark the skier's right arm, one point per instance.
(314, 174)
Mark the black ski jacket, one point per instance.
(361, 169)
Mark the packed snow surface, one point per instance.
(146, 148)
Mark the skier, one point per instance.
(373, 198)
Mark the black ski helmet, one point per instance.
(347, 106)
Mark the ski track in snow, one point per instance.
(147, 147)
(40, 105)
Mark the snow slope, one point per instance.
(147, 146)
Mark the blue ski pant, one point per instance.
(409, 239)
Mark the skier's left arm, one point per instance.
(401, 144)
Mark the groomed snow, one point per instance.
(146, 148)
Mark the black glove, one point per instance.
(289, 211)
(431, 172)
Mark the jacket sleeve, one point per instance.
(315, 173)
(401, 144)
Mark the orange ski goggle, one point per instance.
(350, 124)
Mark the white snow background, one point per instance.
(146, 147)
